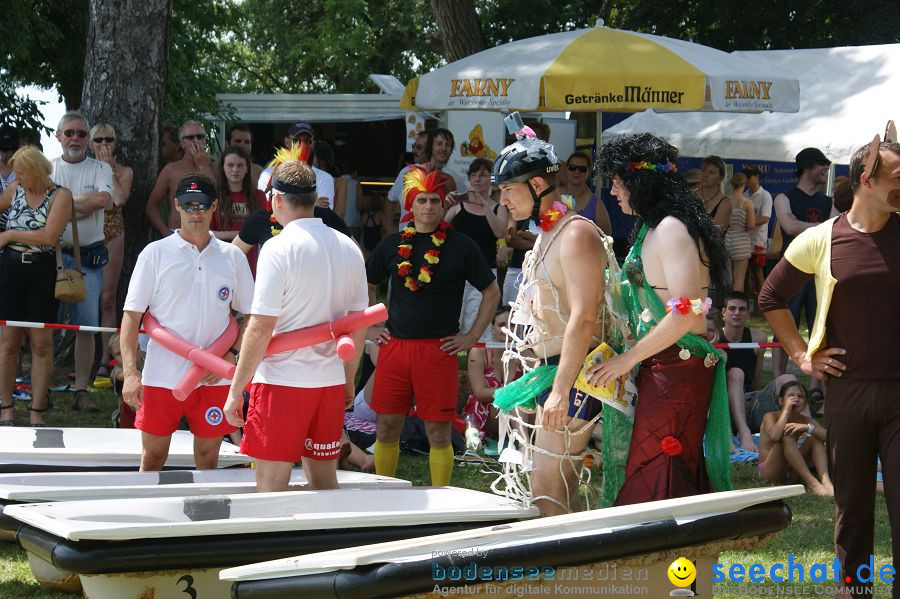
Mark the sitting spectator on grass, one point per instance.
(485, 377)
(790, 441)
(743, 366)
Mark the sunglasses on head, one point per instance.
(104, 140)
(191, 208)
(196, 136)
(578, 167)
(75, 132)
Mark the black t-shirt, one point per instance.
(433, 311)
(257, 228)
(518, 256)
(479, 229)
(807, 208)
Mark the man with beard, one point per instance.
(800, 208)
(91, 184)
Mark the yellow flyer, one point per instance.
(619, 396)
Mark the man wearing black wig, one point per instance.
(662, 296)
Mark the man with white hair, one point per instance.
(90, 182)
(196, 159)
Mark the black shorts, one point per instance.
(28, 289)
(581, 405)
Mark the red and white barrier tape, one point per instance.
(489, 344)
(763, 345)
(65, 327)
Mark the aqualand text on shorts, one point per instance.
(202, 409)
(285, 424)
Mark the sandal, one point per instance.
(39, 411)
(816, 403)
(8, 421)
(83, 402)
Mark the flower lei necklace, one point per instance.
(432, 256)
(276, 226)
(554, 213)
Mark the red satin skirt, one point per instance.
(665, 458)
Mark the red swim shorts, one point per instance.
(287, 423)
(202, 409)
(417, 368)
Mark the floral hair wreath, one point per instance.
(659, 167)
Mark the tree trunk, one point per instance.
(124, 85)
(459, 28)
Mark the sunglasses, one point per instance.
(575, 167)
(81, 133)
(104, 140)
(196, 136)
(191, 208)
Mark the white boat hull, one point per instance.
(24, 449)
(154, 543)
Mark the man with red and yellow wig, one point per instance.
(428, 264)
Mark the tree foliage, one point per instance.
(768, 24)
(328, 46)
(43, 45)
(197, 59)
(20, 111)
(331, 46)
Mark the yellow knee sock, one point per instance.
(440, 461)
(386, 457)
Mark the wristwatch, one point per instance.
(234, 353)
(810, 427)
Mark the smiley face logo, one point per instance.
(682, 572)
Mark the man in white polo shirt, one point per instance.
(306, 275)
(190, 282)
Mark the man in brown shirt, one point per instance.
(855, 260)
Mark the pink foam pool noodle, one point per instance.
(346, 349)
(205, 360)
(334, 330)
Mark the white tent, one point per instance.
(846, 97)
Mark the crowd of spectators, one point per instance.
(92, 172)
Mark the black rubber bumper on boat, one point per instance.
(8, 522)
(392, 580)
(182, 553)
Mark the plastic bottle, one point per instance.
(473, 435)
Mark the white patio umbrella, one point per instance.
(603, 69)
